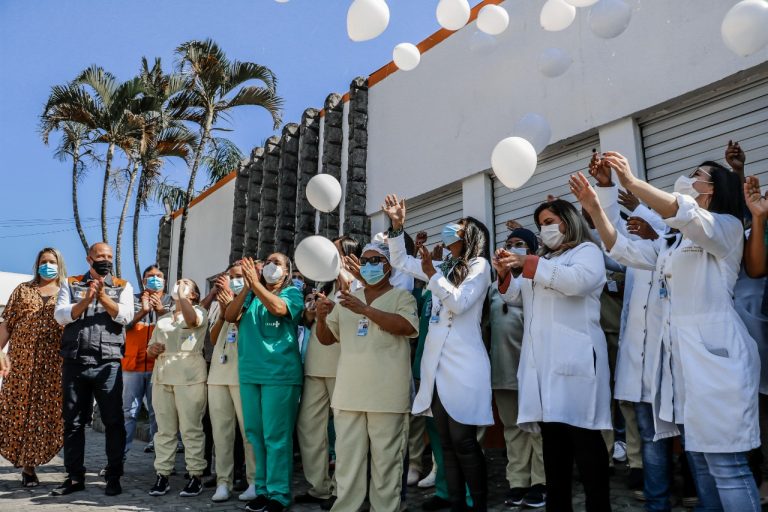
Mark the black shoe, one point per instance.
(515, 496)
(328, 504)
(239, 485)
(113, 486)
(150, 448)
(68, 487)
(257, 505)
(28, 480)
(308, 498)
(193, 488)
(436, 503)
(162, 486)
(274, 506)
(536, 497)
(211, 482)
(635, 479)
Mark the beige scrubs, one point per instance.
(371, 403)
(225, 408)
(178, 392)
(320, 364)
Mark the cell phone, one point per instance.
(624, 215)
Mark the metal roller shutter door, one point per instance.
(432, 212)
(676, 141)
(551, 177)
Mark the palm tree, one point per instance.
(214, 87)
(131, 172)
(75, 143)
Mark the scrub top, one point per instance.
(268, 346)
(320, 360)
(223, 370)
(182, 363)
(506, 340)
(374, 372)
(424, 303)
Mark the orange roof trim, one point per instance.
(216, 186)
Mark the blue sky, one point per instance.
(48, 42)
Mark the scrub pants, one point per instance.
(179, 408)
(269, 415)
(416, 444)
(386, 435)
(313, 433)
(525, 459)
(225, 407)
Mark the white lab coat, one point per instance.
(563, 375)
(455, 359)
(709, 368)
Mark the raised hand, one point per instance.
(146, 305)
(421, 239)
(735, 157)
(628, 200)
(584, 193)
(395, 210)
(638, 226)
(620, 164)
(437, 252)
(323, 306)
(513, 225)
(224, 296)
(756, 202)
(352, 264)
(250, 272)
(222, 282)
(426, 262)
(600, 170)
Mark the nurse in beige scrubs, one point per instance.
(178, 381)
(371, 400)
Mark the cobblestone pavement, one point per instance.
(139, 476)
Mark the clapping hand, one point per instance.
(395, 210)
(628, 200)
(224, 296)
(600, 170)
(756, 202)
(584, 193)
(421, 239)
(352, 303)
(426, 262)
(250, 273)
(352, 264)
(156, 303)
(146, 306)
(323, 306)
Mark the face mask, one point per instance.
(684, 186)
(155, 283)
(102, 267)
(175, 292)
(450, 234)
(298, 283)
(236, 284)
(272, 273)
(48, 270)
(520, 251)
(372, 273)
(551, 236)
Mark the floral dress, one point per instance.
(31, 428)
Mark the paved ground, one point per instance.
(140, 476)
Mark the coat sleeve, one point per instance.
(584, 272)
(717, 234)
(125, 307)
(62, 312)
(640, 254)
(458, 299)
(513, 296)
(608, 197)
(400, 259)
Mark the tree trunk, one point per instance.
(75, 208)
(136, 213)
(105, 192)
(190, 191)
(119, 244)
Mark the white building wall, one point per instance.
(439, 123)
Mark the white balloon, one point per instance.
(453, 14)
(609, 18)
(493, 19)
(513, 161)
(482, 43)
(535, 129)
(317, 259)
(581, 3)
(745, 27)
(554, 62)
(406, 56)
(324, 192)
(557, 15)
(367, 19)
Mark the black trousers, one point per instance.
(81, 384)
(563, 444)
(464, 460)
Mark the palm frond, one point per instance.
(257, 97)
(101, 81)
(169, 193)
(222, 158)
(241, 72)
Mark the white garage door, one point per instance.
(677, 140)
(433, 211)
(551, 177)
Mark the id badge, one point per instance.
(435, 318)
(613, 286)
(663, 290)
(232, 334)
(223, 358)
(362, 327)
(188, 343)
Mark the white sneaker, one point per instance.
(221, 494)
(249, 494)
(620, 451)
(413, 476)
(429, 480)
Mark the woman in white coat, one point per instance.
(563, 377)
(709, 367)
(455, 370)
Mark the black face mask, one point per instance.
(102, 268)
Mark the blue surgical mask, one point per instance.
(236, 284)
(372, 273)
(450, 234)
(155, 283)
(48, 270)
(298, 283)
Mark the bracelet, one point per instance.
(392, 233)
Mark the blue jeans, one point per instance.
(724, 482)
(657, 462)
(137, 387)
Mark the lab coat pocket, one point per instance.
(572, 353)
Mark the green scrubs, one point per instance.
(269, 365)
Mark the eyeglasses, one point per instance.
(516, 245)
(702, 171)
(373, 260)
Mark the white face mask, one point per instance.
(684, 186)
(551, 236)
(272, 273)
(175, 292)
(520, 251)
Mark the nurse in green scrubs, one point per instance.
(269, 310)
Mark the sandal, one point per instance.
(28, 480)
